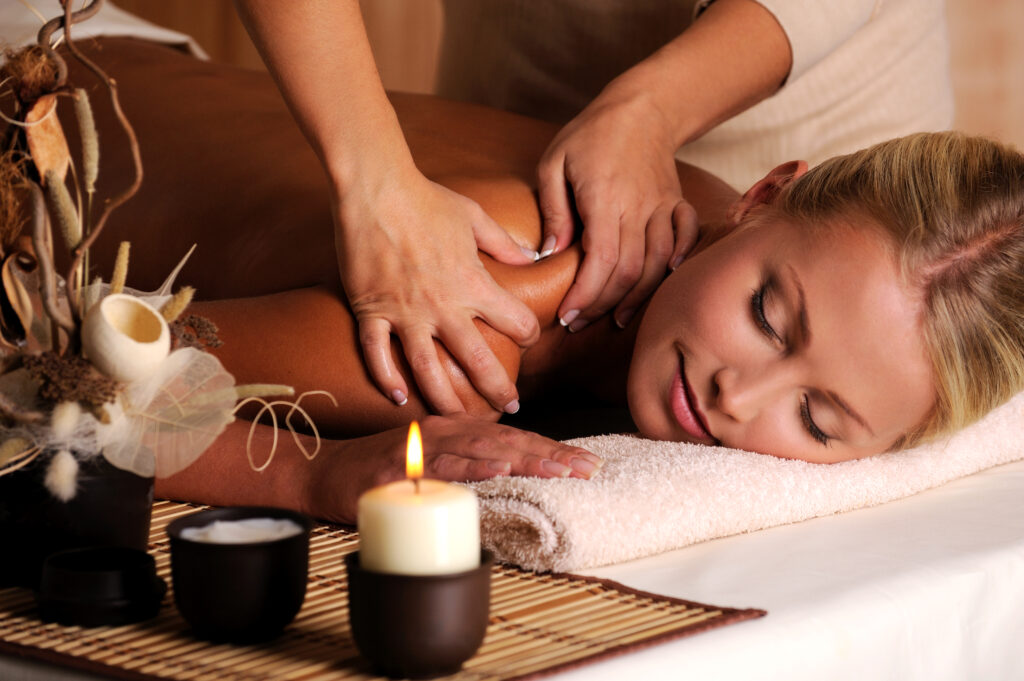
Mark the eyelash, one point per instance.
(757, 309)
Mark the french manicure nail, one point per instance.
(578, 325)
(623, 318)
(548, 247)
(676, 262)
(512, 407)
(583, 467)
(554, 468)
(592, 458)
(499, 466)
(399, 397)
(569, 317)
(530, 253)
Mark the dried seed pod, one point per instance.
(90, 140)
(176, 305)
(120, 274)
(63, 208)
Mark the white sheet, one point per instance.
(19, 25)
(928, 588)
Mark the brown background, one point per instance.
(987, 64)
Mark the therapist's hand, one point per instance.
(407, 253)
(616, 160)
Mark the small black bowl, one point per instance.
(99, 586)
(418, 626)
(239, 593)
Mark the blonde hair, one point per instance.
(953, 206)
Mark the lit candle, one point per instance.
(418, 526)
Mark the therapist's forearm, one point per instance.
(318, 53)
(732, 57)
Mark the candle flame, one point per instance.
(414, 453)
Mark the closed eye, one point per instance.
(812, 428)
(757, 310)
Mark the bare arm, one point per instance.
(618, 154)
(393, 226)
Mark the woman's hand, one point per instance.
(457, 448)
(617, 158)
(407, 253)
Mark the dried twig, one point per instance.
(112, 203)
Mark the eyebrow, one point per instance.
(805, 334)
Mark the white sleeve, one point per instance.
(815, 28)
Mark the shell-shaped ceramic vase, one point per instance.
(125, 338)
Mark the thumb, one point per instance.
(493, 240)
(684, 222)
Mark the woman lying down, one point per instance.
(858, 307)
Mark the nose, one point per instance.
(742, 394)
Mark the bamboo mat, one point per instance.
(539, 624)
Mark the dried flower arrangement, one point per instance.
(90, 369)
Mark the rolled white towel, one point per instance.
(653, 496)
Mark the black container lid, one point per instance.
(99, 586)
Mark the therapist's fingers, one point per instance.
(628, 270)
(684, 221)
(431, 378)
(375, 339)
(659, 243)
(600, 242)
(553, 192)
(476, 358)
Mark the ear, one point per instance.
(766, 189)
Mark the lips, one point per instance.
(684, 407)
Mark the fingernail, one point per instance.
(592, 458)
(499, 466)
(583, 467)
(530, 253)
(548, 247)
(399, 397)
(569, 317)
(623, 318)
(578, 325)
(676, 262)
(554, 468)
(512, 407)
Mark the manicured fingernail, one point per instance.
(623, 318)
(530, 253)
(548, 247)
(554, 468)
(583, 467)
(512, 407)
(592, 458)
(499, 466)
(569, 317)
(399, 397)
(676, 262)
(578, 325)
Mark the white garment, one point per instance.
(863, 70)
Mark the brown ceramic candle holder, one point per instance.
(418, 626)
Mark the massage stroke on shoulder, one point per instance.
(858, 307)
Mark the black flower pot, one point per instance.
(112, 507)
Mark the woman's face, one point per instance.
(802, 343)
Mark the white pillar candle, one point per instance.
(416, 526)
(433, 531)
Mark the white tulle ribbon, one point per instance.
(163, 423)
